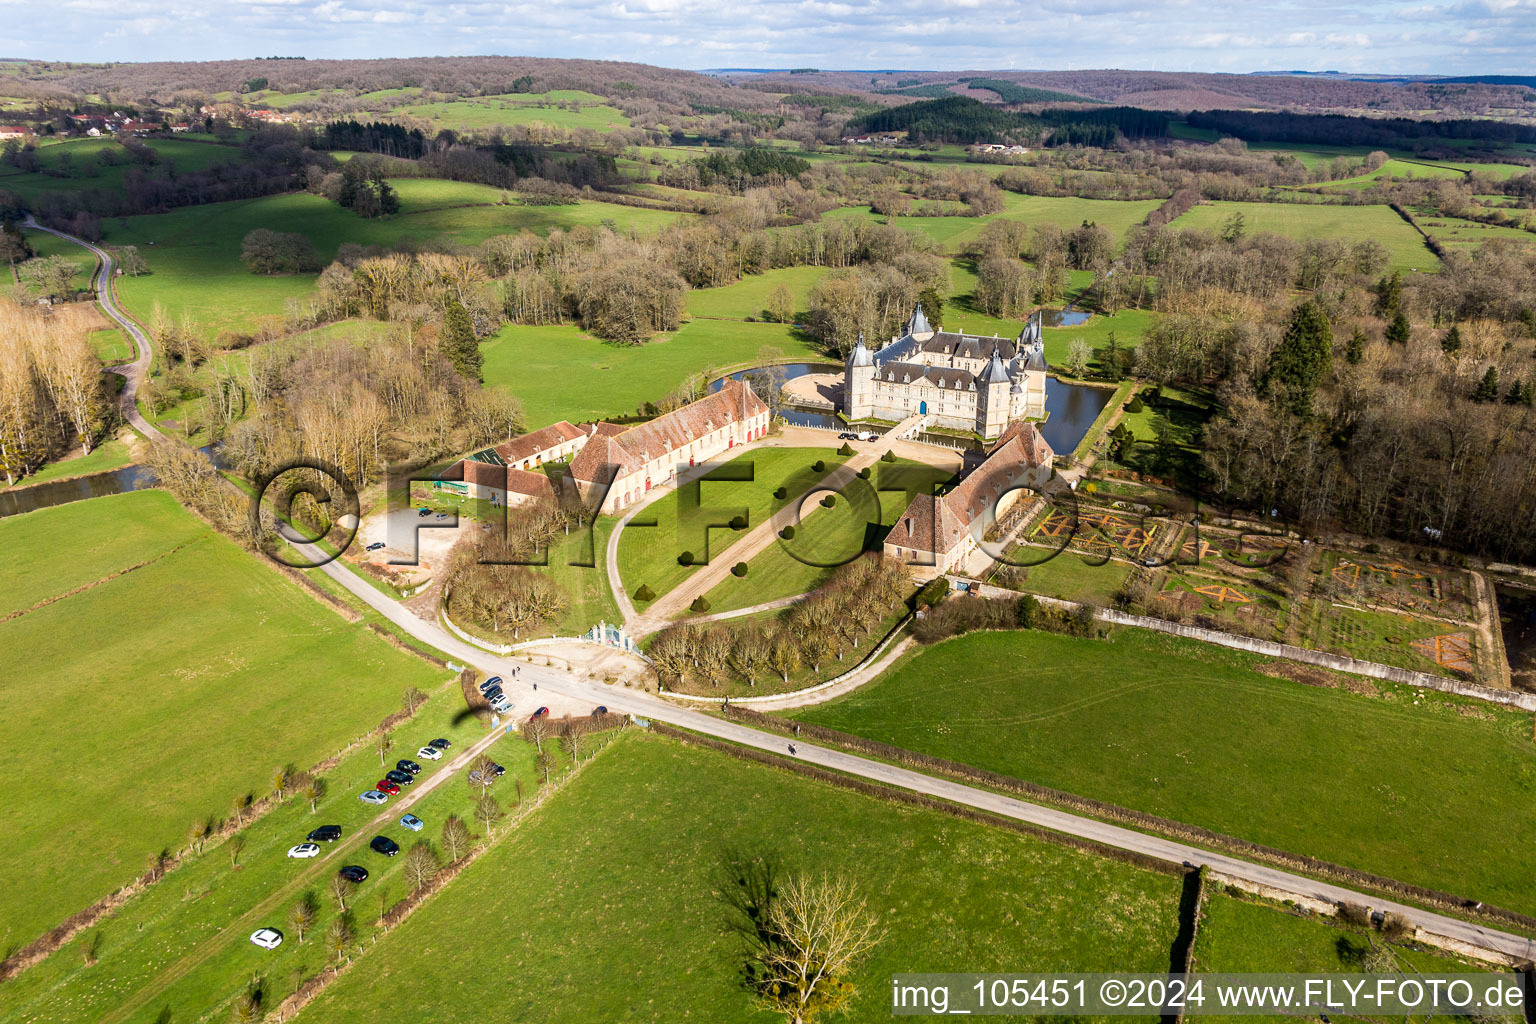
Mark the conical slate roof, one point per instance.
(919, 322)
(994, 372)
(860, 356)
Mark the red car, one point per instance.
(385, 786)
(538, 714)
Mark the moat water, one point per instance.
(1072, 407)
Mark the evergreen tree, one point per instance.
(1528, 394)
(1512, 396)
(1528, 319)
(1398, 331)
(1354, 351)
(1303, 356)
(1389, 295)
(456, 341)
(1488, 388)
(389, 202)
(1451, 343)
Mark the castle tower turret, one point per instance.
(918, 326)
(859, 382)
(994, 403)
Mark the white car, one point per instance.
(373, 796)
(430, 754)
(501, 707)
(304, 850)
(267, 938)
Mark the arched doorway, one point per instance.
(922, 408)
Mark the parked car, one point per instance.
(325, 834)
(441, 515)
(385, 845)
(492, 683)
(601, 709)
(267, 938)
(538, 714)
(399, 778)
(422, 513)
(412, 822)
(376, 545)
(865, 435)
(501, 706)
(846, 436)
(439, 743)
(492, 696)
(385, 786)
(497, 770)
(303, 851)
(430, 754)
(353, 873)
(476, 778)
(374, 797)
(407, 766)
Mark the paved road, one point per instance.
(133, 373)
(645, 705)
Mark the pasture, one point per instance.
(623, 918)
(1419, 787)
(1348, 224)
(204, 671)
(185, 943)
(957, 233)
(85, 164)
(749, 296)
(561, 372)
(565, 109)
(194, 252)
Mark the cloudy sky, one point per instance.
(1456, 37)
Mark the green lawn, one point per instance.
(607, 906)
(1067, 575)
(1458, 233)
(204, 670)
(1349, 224)
(827, 538)
(561, 372)
(957, 233)
(89, 173)
(204, 913)
(483, 112)
(749, 296)
(112, 346)
(194, 252)
(694, 519)
(1191, 732)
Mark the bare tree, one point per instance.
(544, 764)
(302, 914)
(482, 775)
(456, 838)
(534, 731)
(341, 891)
(816, 929)
(420, 865)
(488, 811)
(314, 791)
(236, 845)
(385, 741)
(411, 700)
(339, 935)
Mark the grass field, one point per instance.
(1394, 169)
(109, 454)
(827, 538)
(606, 906)
(1349, 224)
(483, 112)
(749, 296)
(1457, 233)
(1192, 732)
(194, 252)
(694, 518)
(79, 160)
(204, 671)
(185, 943)
(1240, 935)
(561, 372)
(956, 233)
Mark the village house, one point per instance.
(12, 131)
(938, 533)
(617, 465)
(510, 473)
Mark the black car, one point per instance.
(439, 743)
(497, 770)
(492, 696)
(325, 834)
(385, 845)
(375, 546)
(409, 767)
(353, 873)
(399, 778)
(493, 683)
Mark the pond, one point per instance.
(1067, 317)
(1517, 617)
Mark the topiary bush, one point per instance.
(788, 533)
(739, 570)
(889, 456)
(645, 593)
(864, 473)
(699, 604)
(780, 493)
(1135, 404)
(846, 449)
(820, 465)
(686, 558)
(936, 590)
(828, 501)
(738, 522)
